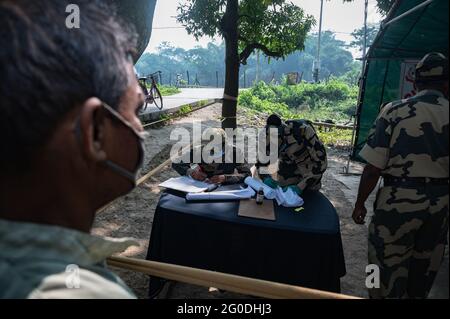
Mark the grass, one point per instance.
(334, 101)
(167, 90)
(335, 137)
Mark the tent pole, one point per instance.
(407, 13)
(364, 59)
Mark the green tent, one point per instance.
(412, 29)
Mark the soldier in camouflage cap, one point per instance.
(302, 158)
(409, 147)
(215, 166)
(432, 68)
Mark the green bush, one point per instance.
(334, 100)
(167, 90)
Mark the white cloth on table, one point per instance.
(269, 192)
(245, 193)
(286, 199)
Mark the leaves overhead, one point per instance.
(383, 5)
(358, 35)
(276, 27)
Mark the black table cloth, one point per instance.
(299, 248)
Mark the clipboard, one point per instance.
(249, 208)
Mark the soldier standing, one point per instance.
(409, 148)
(302, 158)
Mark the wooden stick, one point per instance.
(153, 172)
(139, 182)
(143, 179)
(228, 282)
(336, 126)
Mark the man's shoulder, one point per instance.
(79, 284)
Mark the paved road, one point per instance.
(187, 96)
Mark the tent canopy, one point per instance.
(412, 29)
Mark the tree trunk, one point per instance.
(231, 92)
(140, 14)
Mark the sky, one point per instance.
(340, 17)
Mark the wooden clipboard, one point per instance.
(249, 208)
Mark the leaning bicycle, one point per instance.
(153, 94)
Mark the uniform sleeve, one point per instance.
(312, 174)
(376, 150)
(260, 165)
(243, 171)
(183, 168)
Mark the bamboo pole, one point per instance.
(336, 126)
(228, 282)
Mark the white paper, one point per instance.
(286, 199)
(185, 184)
(269, 192)
(239, 194)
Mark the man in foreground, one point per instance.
(71, 143)
(409, 148)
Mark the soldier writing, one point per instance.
(217, 169)
(408, 147)
(302, 158)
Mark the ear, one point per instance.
(92, 127)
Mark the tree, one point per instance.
(383, 5)
(206, 61)
(275, 27)
(358, 35)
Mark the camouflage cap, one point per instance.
(213, 136)
(433, 67)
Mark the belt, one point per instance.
(414, 181)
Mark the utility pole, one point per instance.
(257, 66)
(245, 77)
(317, 62)
(366, 10)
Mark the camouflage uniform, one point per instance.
(235, 173)
(408, 232)
(302, 158)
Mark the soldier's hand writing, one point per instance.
(359, 214)
(218, 179)
(198, 175)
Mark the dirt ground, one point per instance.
(132, 215)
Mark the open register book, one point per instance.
(185, 184)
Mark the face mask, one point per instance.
(140, 138)
(132, 176)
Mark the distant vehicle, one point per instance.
(152, 94)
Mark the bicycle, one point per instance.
(152, 95)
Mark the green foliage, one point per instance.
(335, 137)
(201, 62)
(358, 35)
(204, 62)
(383, 5)
(334, 100)
(167, 90)
(279, 26)
(185, 109)
(276, 27)
(351, 77)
